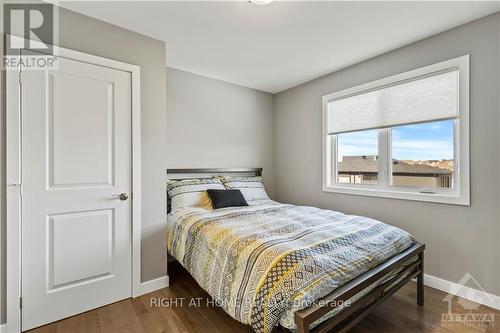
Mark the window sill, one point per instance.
(441, 198)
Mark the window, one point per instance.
(403, 137)
(357, 157)
(422, 155)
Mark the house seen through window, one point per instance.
(422, 156)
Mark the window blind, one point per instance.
(429, 98)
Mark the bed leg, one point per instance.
(302, 327)
(420, 280)
(302, 330)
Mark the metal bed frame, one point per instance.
(408, 265)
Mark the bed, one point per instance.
(302, 268)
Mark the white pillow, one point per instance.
(252, 188)
(192, 192)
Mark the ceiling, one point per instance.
(283, 44)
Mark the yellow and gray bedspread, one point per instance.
(264, 262)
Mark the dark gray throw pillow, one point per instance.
(226, 198)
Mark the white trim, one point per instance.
(13, 201)
(136, 180)
(474, 295)
(396, 194)
(14, 181)
(3, 328)
(153, 285)
(459, 195)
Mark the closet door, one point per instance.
(76, 178)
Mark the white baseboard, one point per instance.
(3, 328)
(152, 285)
(458, 289)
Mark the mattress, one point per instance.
(264, 262)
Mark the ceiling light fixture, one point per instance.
(260, 2)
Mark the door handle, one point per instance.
(121, 196)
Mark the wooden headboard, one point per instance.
(208, 173)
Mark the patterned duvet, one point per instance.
(264, 262)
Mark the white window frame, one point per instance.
(458, 195)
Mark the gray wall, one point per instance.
(459, 239)
(88, 35)
(217, 124)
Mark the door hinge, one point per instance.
(20, 302)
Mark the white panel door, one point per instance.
(76, 231)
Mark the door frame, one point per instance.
(14, 179)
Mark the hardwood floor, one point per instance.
(400, 314)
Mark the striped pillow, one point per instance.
(251, 187)
(192, 192)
